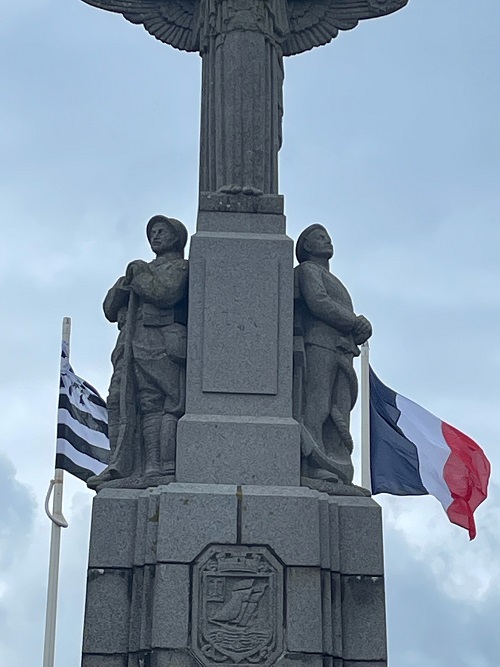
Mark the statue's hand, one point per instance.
(134, 268)
(362, 330)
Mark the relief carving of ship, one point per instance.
(238, 625)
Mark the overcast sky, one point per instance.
(391, 139)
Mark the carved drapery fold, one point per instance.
(242, 44)
(242, 94)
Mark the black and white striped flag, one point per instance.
(82, 425)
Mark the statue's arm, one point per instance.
(320, 304)
(116, 299)
(163, 289)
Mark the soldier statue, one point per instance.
(147, 390)
(328, 333)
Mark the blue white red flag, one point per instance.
(412, 452)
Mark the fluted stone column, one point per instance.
(242, 88)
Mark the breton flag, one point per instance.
(82, 425)
(412, 452)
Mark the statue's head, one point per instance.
(314, 242)
(166, 234)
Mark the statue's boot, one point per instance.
(110, 472)
(151, 426)
(168, 437)
(105, 476)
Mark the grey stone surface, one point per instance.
(328, 661)
(141, 528)
(243, 79)
(140, 609)
(238, 427)
(114, 518)
(324, 533)
(329, 630)
(147, 389)
(211, 202)
(242, 48)
(151, 610)
(333, 535)
(209, 221)
(107, 611)
(192, 516)
(300, 660)
(364, 663)
(336, 613)
(104, 661)
(172, 658)
(238, 450)
(360, 524)
(285, 519)
(330, 332)
(214, 257)
(245, 329)
(237, 607)
(152, 521)
(363, 618)
(171, 607)
(303, 605)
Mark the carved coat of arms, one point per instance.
(238, 607)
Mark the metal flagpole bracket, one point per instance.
(58, 517)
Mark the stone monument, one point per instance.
(148, 388)
(327, 335)
(226, 529)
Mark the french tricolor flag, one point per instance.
(412, 452)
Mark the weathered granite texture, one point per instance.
(327, 335)
(238, 426)
(242, 45)
(200, 575)
(147, 390)
(211, 574)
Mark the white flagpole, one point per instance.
(366, 481)
(58, 522)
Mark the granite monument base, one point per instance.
(191, 575)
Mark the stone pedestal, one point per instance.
(238, 426)
(191, 575)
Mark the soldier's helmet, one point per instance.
(300, 252)
(179, 229)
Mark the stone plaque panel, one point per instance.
(241, 322)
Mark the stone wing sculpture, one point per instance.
(311, 22)
(317, 23)
(173, 22)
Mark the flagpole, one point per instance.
(58, 522)
(366, 481)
